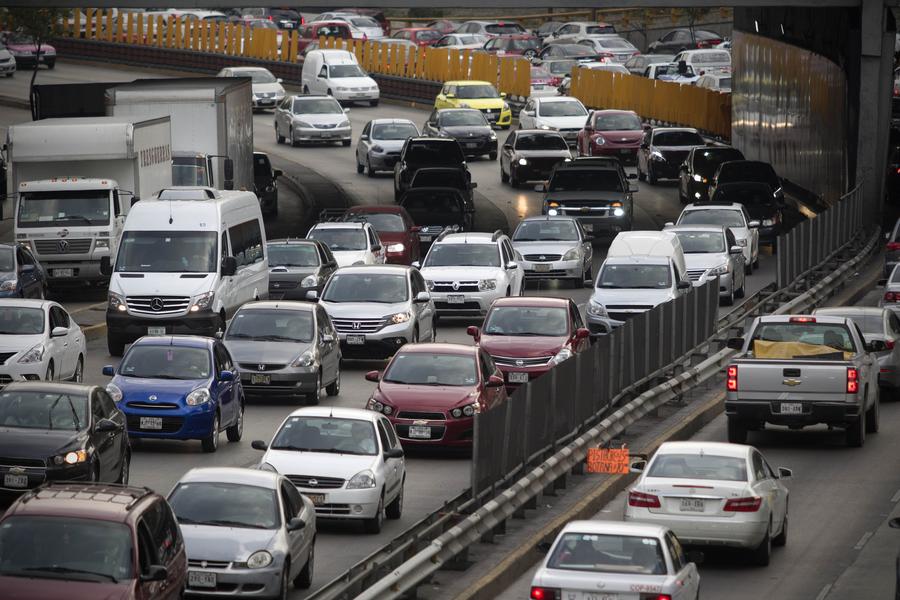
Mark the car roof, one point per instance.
(27, 302)
(542, 99)
(439, 348)
(686, 227)
(180, 341)
(464, 82)
(614, 111)
(242, 68)
(549, 301)
(533, 131)
(468, 237)
(638, 259)
(337, 412)
(376, 269)
(713, 206)
(339, 225)
(615, 528)
(278, 305)
(376, 209)
(107, 502)
(446, 110)
(851, 311)
(695, 447)
(79, 389)
(254, 477)
(549, 218)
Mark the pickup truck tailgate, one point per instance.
(761, 379)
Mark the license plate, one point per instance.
(471, 144)
(791, 408)
(201, 579)
(625, 151)
(518, 377)
(456, 299)
(426, 238)
(151, 423)
(15, 481)
(692, 505)
(63, 273)
(260, 379)
(327, 135)
(156, 331)
(542, 268)
(597, 596)
(277, 296)
(360, 95)
(316, 499)
(587, 226)
(356, 340)
(420, 432)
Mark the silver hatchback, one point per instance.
(380, 144)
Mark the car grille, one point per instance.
(359, 89)
(152, 405)
(510, 361)
(265, 366)
(34, 463)
(322, 483)
(437, 433)
(357, 325)
(283, 285)
(463, 286)
(169, 424)
(570, 133)
(157, 305)
(326, 510)
(4, 379)
(324, 125)
(620, 142)
(629, 306)
(5, 356)
(695, 274)
(543, 257)
(208, 564)
(63, 246)
(491, 114)
(426, 416)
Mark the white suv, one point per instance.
(466, 272)
(351, 243)
(731, 215)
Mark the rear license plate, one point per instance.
(316, 499)
(356, 340)
(201, 579)
(791, 408)
(63, 273)
(692, 505)
(156, 331)
(15, 481)
(518, 377)
(625, 151)
(456, 299)
(420, 432)
(151, 423)
(426, 238)
(260, 379)
(543, 268)
(597, 596)
(587, 226)
(471, 144)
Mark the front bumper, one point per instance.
(464, 303)
(384, 161)
(232, 581)
(602, 325)
(451, 433)
(380, 344)
(725, 280)
(713, 531)
(14, 371)
(40, 475)
(270, 102)
(314, 134)
(532, 374)
(498, 117)
(560, 269)
(343, 503)
(30, 60)
(81, 271)
(287, 382)
(186, 423)
(663, 169)
(8, 67)
(352, 95)
(836, 413)
(131, 327)
(477, 147)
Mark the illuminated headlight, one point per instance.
(270, 188)
(198, 397)
(259, 559)
(101, 244)
(202, 302)
(721, 269)
(487, 285)
(699, 178)
(657, 155)
(562, 355)
(769, 222)
(545, 127)
(552, 212)
(309, 281)
(493, 136)
(573, 254)
(116, 302)
(9, 285)
(71, 458)
(599, 140)
(596, 309)
(396, 248)
(299, 123)
(619, 212)
(469, 410)
(362, 481)
(307, 359)
(114, 392)
(742, 243)
(401, 317)
(344, 123)
(523, 162)
(34, 354)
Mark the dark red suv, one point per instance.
(431, 393)
(527, 335)
(396, 229)
(91, 541)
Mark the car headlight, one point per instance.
(545, 127)
(299, 123)
(429, 284)
(769, 222)
(463, 105)
(699, 178)
(618, 212)
(505, 106)
(9, 285)
(202, 302)
(307, 359)
(259, 559)
(377, 406)
(657, 155)
(721, 269)
(573, 254)
(469, 410)
(264, 466)
(564, 354)
(71, 458)
(396, 248)
(523, 161)
(400, 317)
(599, 140)
(487, 285)
(310, 281)
(101, 244)
(362, 481)
(34, 354)
(596, 309)
(341, 89)
(742, 243)
(116, 302)
(198, 397)
(114, 392)
(344, 123)
(493, 136)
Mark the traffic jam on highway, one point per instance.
(165, 205)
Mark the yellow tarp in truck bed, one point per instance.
(788, 350)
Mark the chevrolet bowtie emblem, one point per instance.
(791, 382)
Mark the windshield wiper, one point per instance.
(230, 523)
(239, 335)
(276, 338)
(67, 570)
(73, 217)
(292, 447)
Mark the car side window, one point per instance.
(486, 371)
(769, 469)
(28, 257)
(759, 471)
(295, 498)
(367, 129)
(577, 321)
(287, 508)
(895, 323)
(383, 436)
(676, 552)
(97, 412)
(323, 72)
(392, 436)
(146, 553)
(419, 282)
(163, 531)
(373, 239)
(106, 403)
(223, 358)
(58, 317)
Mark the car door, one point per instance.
(328, 346)
(120, 437)
(683, 570)
(104, 442)
(517, 273)
(737, 260)
(526, 116)
(492, 395)
(67, 346)
(225, 390)
(329, 264)
(362, 148)
(781, 491)
(393, 467)
(764, 485)
(506, 151)
(424, 310)
(375, 245)
(291, 507)
(587, 248)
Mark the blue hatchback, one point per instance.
(179, 388)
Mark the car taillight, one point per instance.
(852, 380)
(749, 504)
(642, 500)
(892, 296)
(802, 319)
(893, 245)
(889, 344)
(543, 593)
(656, 597)
(732, 378)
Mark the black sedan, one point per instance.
(572, 51)
(531, 154)
(698, 169)
(297, 267)
(761, 203)
(662, 151)
(60, 432)
(468, 126)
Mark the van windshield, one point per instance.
(338, 71)
(167, 252)
(651, 277)
(72, 208)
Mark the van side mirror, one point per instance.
(228, 167)
(155, 573)
(229, 266)
(735, 343)
(276, 173)
(422, 297)
(638, 466)
(105, 266)
(312, 296)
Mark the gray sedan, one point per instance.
(298, 266)
(285, 349)
(380, 143)
(554, 248)
(710, 252)
(247, 532)
(311, 119)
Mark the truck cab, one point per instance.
(198, 169)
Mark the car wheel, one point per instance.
(211, 442)
(94, 477)
(492, 156)
(374, 524)
(872, 416)
(504, 178)
(741, 291)
(279, 139)
(640, 174)
(306, 89)
(373, 103)
(50, 372)
(285, 582)
(115, 345)
(729, 300)
(781, 538)
(294, 143)
(78, 375)
(737, 431)
(369, 170)
(651, 176)
(856, 432)
(513, 180)
(589, 275)
(236, 431)
(762, 554)
(345, 143)
(748, 268)
(312, 398)
(395, 508)
(359, 166)
(126, 469)
(334, 388)
(303, 581)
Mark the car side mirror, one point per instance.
(422, 297)
(638, 466)
(219, 334)
(229, 266)
(416, 264)
(669, 224)
(507, 146)
(473, 331)
(503, 94)
(683, 285)
(327, 338)
(364, 138)
(753, 224)
(376, 248)
(59, 332)
(494, 381)
(312, 296)
(393, 453)
(881, 282)
(296, 524)
(784, 473)
(155, 573)
(279, 80)
(415, 228)
(373, 376)
(226, 376)
(346, 110)
(511, 265)
(545, 546)
(259, 445)
(106, 425)
(735, 343)
(582, 333)
(473, 185)
(276, 173)
(695, 556)
(735, 250)
(876, 346)
(450, 96)
(108, 370)
(105, 266)
(894, 523)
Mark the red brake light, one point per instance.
(731, 381)
(656, 597)
(642, 500)
(803, 319)
(889, 344)
(891, 297)
(749, 504)
(894, 245)
(852, 380)
(542, 593)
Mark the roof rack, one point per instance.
(107, 492)
(496, 235)
(332, 214)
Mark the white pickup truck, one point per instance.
(799, 370)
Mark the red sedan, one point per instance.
(611, 133)
(431, 393)
(420, 36)
(330, 29)
(396, 229)
(527, 335)
(513, 45)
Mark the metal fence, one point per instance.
(545, 412)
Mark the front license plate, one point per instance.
(201, 579)
(63, 273)
(587, 226)
(543, 268)
(426, 238)
(791, 408)
(420, 432)
(356, 340)
(518, 377)
(15, 481)
(156, 331)
(151, 423)
(692, 505)
(456, 299)
(260, 379)
(316, 499)
(471, 144)
(625, 151)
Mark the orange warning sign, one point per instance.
(612, 461)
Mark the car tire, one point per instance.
(513, 180)
(856, 432)
(78, 375)
(303, 581)
(279, 139)
(125, 471)
(51, 373)
(373, 525)
(236, 431)
(872, 415)
(211, 442)
(94, 476)
(50, 65)
(369, 170)
(729, 300)
(781, 538)
(395, 509)
(285, 582)
(312, 399)
(762, 554)
(737, 431)
(577, 283)
(294, 143)
(492, 156)
(651, 176)
(741, 291)
(306, 89)
(360, 167)
(415, 335)
(589, 276)
(640, 174)
(504, 178)
(748, 268)
(334, 388)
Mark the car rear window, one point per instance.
(428, 34)
(601, 553)
(677, 138)
(710, 58)
(806, 339)
(584, 180)
(429, 153)
(699, 466)
(599, 29)
(541, 141)
(749, 170)
(434, 208)
(707, 161)
(504, 28)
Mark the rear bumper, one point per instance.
(813, 412)
(712, 531)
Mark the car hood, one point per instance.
(36, 443)
(544, 247)
(586, 195)
(346, 258)
(460, 273)
(562, 154)
(291, 273)
(623, 136)
(475, 131)
(390, 145)
(139, 389)
(480, 103)
(426, 397)
(187, 284)
(49, 589)
(706, 260)
(362, 310)
(19, 343)
(249, 351)
(267, 88)
(231, 544)
(354, 82)
(522, 346)
(561, 122)
(5, 55)
(319, 464)
(327, 119)
(631, 296)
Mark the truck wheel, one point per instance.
(872, 416)
(737, 431)
(856, 432)
(115, 345)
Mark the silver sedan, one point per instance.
(380, 143)
(247, 532)
(311, 119)
(711, 252)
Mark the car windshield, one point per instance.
(425, 368)
(434, 207)
(602, 553)
(364, 22)
(393, 131)
(677, 138)
(55, 209)
(66, 548)
(617, 122)
(7, 263)
(701, 242)
(504, 28)
(34, 409)
(651, 277)
(339, 71)
(326, 434)
(833, 336)
(221, 504)
(711, 58)
(699, 466)
(433, 153)
(462, 118)
(560, 67)
(463, 255)
(561, 108)
(167, 252)
(187, 171)
(317, 106)
(340, 240)
(272, 325)
(554, 230)
(584, 180)
(262, 76)
(17, 320)
(383, 288)
(728, 218)
(469, 92)
(527, 321)
(382, 222)
(540, 141)
(868, 323)
(707, 161)
(155, 361)
(292, 255)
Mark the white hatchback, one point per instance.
(351, 243)
(39, 341)
(560, 113)
(731, 215)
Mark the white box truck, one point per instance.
(73, 182)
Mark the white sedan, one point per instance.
(39, 341)
(712, 493)
(606, 559)
(731, 215)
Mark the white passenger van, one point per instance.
(337, 73)
(186, 262)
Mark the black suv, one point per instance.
(468, 126)
(424, 152)
(443, 177)
(595, 190)
(265, 181)
(697, 170)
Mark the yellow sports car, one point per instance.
(476, 94)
